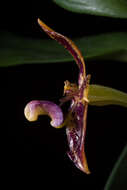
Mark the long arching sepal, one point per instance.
(70, 46)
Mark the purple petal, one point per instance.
(35, 108)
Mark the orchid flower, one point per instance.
(75, 120)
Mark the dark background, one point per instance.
(34, 154)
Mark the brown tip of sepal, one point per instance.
(80, 161)
(85, 165)
(43, 25)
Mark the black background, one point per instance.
(34, 154)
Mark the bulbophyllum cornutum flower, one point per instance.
(75, 121)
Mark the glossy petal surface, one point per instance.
(76, 128)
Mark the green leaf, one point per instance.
(110, 8)
(101, 96)
(16, 50)
(118, 178)
(121, 56)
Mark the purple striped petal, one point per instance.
(70, 46)
(35, 108)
